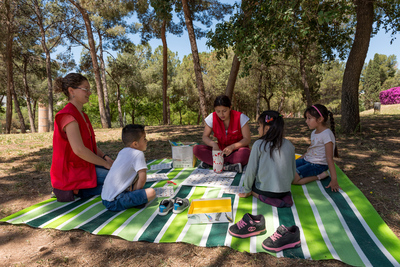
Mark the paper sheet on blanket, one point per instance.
(234, 190)
(165, 191)
(161, 166)
(154, 177)
(206, 177)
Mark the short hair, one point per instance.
(132, 133)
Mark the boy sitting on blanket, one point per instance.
(123, 186)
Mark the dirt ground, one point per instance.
(371, 159)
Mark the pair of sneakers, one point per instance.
(236, 167)
(252, 225)
(177, 205)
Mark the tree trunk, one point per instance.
(96, 70)
(259, 95)
(104, 78)
(48, 65)
(165, 73)
(196, 59)
(9, 64)
(121, 122)
(304, 81)
(350, 120)
(282, 102)
(28, 97)
(232, 77)
(133, 116)
(18, 111)
(34, 108)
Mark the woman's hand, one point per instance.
(228, 150)
(107, 165)
(215, 146)
(108, 159)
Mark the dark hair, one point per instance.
(275, 132)
(71, 80)
(315, 111)
(132, 133)
(222, 100)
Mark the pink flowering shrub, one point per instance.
(390, 96)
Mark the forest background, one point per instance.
(281, 55)
(266, 56)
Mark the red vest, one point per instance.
(234, 134)
(68, 171)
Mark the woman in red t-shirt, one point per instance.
(232, 131)
(78, 167)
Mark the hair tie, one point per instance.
(317, 110)
(268, 119)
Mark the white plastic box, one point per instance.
(182, 156)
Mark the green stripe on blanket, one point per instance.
(342, 226)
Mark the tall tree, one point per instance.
(8, 9)
(96, 70)
(15, 24)
(376, 72)
(331, 85)
(301, 29)
(219, 11)
(230, 86)
(196, 60)
(350, 120)
(372, 83)
(156, 23)
(111, 29)
(385, 14)
(48, 17)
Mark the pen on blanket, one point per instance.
(170, 182)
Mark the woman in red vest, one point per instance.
(232, 131)
(79, 167)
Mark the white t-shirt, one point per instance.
(122, 173)
(316, 151)
(243, 120)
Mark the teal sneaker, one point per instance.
(180, 204)
(166, 205)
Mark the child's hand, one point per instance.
(244, 194)
(334, 185)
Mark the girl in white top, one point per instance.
(314, 164)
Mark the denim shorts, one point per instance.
(307, 169)
(126, 200)
(101, 174)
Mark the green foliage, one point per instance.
(331, 85)
(378, 70)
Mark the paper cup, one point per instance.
(218, 161)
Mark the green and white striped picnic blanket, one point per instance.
(342, 226)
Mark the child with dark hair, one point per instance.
(123, 186)
(314, 164)
(232, 131)
(271, 168)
